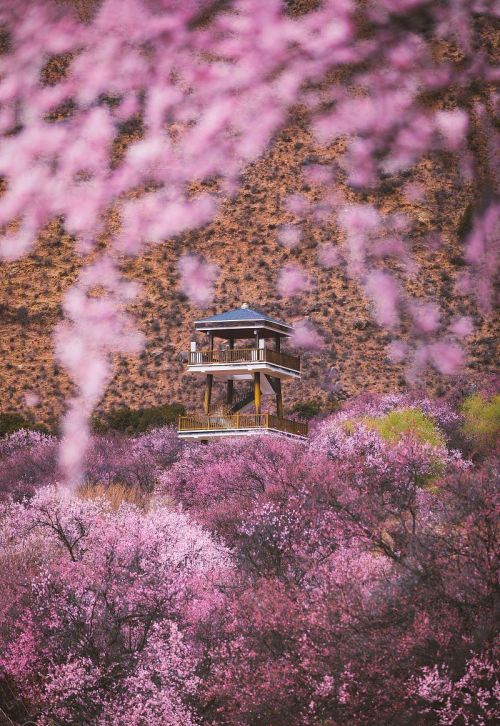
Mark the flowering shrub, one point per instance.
(472, 699)
(24, 439)
(349, 570)
(135, 461)
(348, 579)
(368, 404)
(343, 595)
(29, 460)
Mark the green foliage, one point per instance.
(396, 424)
(10, 422)
(136, 421)
(481, 419)
(349, 425)
(307, 409)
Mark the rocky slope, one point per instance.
(242, 240)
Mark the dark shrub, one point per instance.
(10, 422)
(307, 409)
(137, 421)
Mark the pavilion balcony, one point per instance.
(247, 358)
(205, 427)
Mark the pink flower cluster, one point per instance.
(305, 336)
(95, 327)
(293, 280)
(197, 279)
(29, 460)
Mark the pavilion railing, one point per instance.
(241, 421)
(244, 355)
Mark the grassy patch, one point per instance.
(481, 419)
(396, 424)
(116, 494)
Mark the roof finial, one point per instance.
(244, 305)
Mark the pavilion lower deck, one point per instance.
(204, 427)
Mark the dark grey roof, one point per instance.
(243, 314)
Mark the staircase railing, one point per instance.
(221, 407)
(246, 396)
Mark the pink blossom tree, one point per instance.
(359, 564)
(349, 579)
(472, 698)
(99, 609)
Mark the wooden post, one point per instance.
(277, 341)
(230, 392)
(261, 349)
(279, 399)
(230, 383)
(208, 393)
(211, 347)
(257, 392)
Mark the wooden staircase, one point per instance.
(245, 397)
(222, 408)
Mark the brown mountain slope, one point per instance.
(242, 241)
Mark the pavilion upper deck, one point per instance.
(243, 358)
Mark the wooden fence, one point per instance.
(244, 355)
(245, 421)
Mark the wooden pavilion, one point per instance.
(248, 368)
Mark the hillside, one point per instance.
(242, 242)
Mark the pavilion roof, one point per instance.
(245, 315)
